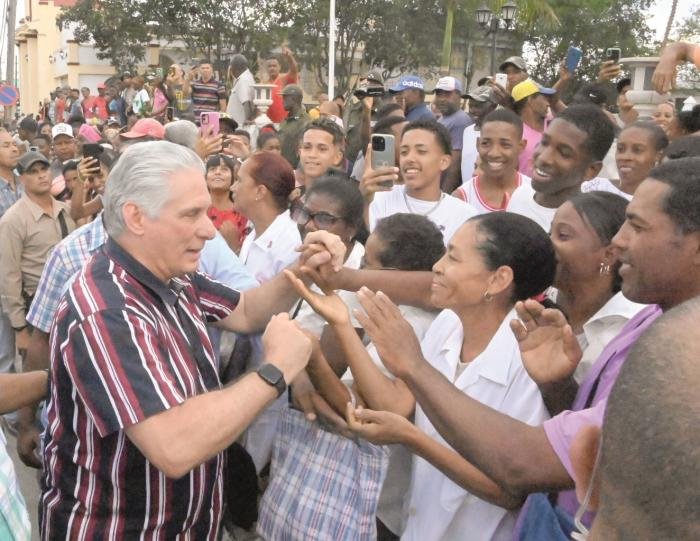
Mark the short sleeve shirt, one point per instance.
(206, 96)
(455, 124)
(126, 346)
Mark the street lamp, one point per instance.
(486, 19)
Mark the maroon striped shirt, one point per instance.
(119, 355)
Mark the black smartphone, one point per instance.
(92, 150)
(170, 113)
(613, 53)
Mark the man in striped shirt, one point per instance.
(208, 94)
(137, 418)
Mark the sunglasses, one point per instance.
(323, 220)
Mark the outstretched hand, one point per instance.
(548, 347)
(328, 305)
(379, 427)
(391, 334)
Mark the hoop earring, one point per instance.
(604, 268)
(487, 296)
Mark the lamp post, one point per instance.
(486, 19)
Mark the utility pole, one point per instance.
(10, 59)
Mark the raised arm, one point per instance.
(256, 306)
(514, 454)
(377, 390)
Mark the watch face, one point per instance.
(270, 373)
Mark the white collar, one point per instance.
(618, 305)
(494, 363)
(274, 231)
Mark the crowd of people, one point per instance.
(377, 318)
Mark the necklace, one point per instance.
(430, 211)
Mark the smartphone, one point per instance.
(501, 79)
(159, 72)
(92, 150)
(573, 58)
(613, 53)
(170, 113)
(383, 154)
(209, 122)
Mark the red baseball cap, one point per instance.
(146, 127)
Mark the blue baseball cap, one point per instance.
(408, 82)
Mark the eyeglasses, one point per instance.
(323, 220)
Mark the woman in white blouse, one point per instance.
(261, 194)
(587, 279)
(491, 262)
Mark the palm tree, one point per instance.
(528, 12)
(669, 24)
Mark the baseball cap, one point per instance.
(61, 129)
(591, 93)
(290, 90)
(145, 127)
(481, 93)
(30, 158)
(408, 82)
(375, 75)
(89, 133)
(101, 86)
(529, 87)
(513, 61)
(448, 84)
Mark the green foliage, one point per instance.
(121, 29)
(116, 26)
(593, 26)
(398, 35)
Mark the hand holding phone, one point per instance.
(209, 123)
(380, 173)
(573, 58)
(613, 54)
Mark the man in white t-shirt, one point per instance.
(571, 151)
(240, 102)
(425, 152)
(481, 102)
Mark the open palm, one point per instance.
(548, 347)
(328, 305)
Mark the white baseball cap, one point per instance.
(61, 129)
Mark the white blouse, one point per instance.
(439, 509)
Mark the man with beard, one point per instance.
(448, 100)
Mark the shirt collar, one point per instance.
(37, 212)
(144, 276)
(98, 234)
(617, 305)
(274, 231)
(494, 363)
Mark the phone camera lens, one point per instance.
(378, 144)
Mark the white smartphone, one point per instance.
(501, 79)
